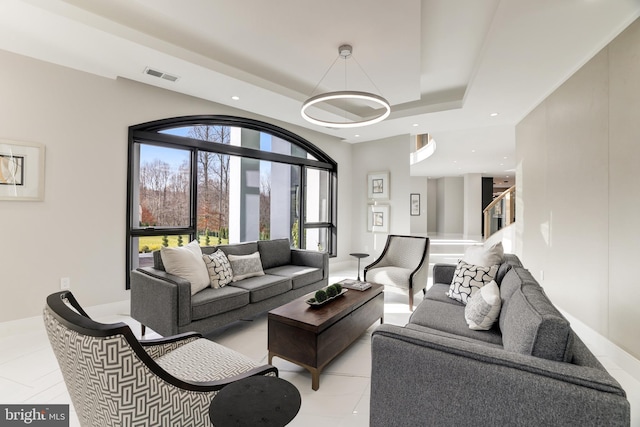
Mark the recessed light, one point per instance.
(473, 151)
(357, 136)
(415, 125)
(494, 114)
(235, 98)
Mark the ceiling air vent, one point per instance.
(160, 74)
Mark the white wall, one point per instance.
(432, 206)
(78, 231)
(579, 194)
(419, 185)
(390, 154)
(450, 205)
(472, 205)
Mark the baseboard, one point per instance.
(620, 357)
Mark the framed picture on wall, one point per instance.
(21, 170)
(415, 204)
(378, 218)
(378, 185)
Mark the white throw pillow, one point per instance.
(245, 266)
(484, 256)
(467, 279)
(186, 262)
(219, 268)
(483, 308)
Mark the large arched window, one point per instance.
(223, 179)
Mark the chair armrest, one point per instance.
(160, 346)
(443, 273)
(311, 259)
(160, 300)
(511, 388)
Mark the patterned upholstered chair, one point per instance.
(404, 263)
(116, 380)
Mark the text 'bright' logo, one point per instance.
(38, 415)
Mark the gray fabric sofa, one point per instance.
(530, 369)
(163, 301)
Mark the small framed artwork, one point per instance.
(415, 204)
(378, 185)
(21, 170)
(378, 218)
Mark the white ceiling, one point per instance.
(444, 65)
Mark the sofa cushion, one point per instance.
(219, 268)
(212, 301)
(245, 266)
(483, 308)
(239, 248)
(438, 292)
(448, 317)
(264, 287)
(274, 253)
(531, 325)
(468, 279)
(186, 262)
(300, 275)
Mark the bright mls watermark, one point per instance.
(34, 415)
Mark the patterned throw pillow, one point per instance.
(219, 269)
(245, 266)
(468, 279)
(483, 307)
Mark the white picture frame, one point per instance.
(378, 218)
(378, 185)
(21, 170)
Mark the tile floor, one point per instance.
(29, 372)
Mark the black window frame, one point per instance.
(151, 133)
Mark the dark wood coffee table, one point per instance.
(312, 336)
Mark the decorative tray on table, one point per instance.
(314, 302)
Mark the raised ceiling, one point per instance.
(444, 65)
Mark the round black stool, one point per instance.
(255, 401)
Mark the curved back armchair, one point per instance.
(115, 380)
(404, 263)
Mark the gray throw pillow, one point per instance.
(245, 266)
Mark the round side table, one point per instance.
(255, 401)
(359, 256)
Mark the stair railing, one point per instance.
(500, 212)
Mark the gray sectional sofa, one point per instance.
(529, 369)
(163, 301)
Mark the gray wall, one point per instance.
(78, 231)
(579, 194)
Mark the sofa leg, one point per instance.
(143, 329)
